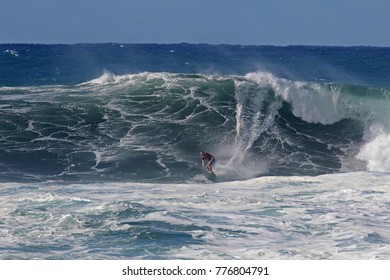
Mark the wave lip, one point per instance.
(329, 104)
(107, 77)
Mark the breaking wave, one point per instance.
(151, 126)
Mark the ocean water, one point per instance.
(99, 152)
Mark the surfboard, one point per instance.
(210, 176)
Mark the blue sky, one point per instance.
(247, 22)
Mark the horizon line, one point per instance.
(207, 44)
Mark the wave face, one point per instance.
(151, 127)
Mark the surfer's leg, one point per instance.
(209, 165)
(212, 162)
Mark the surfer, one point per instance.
(211, 160)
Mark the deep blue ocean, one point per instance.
(99, 152)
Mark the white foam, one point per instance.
(329, 216)
(12, 52)
(376, 151)
(103, 79)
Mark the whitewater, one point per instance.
(99, 152)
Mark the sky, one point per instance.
(243, 22)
